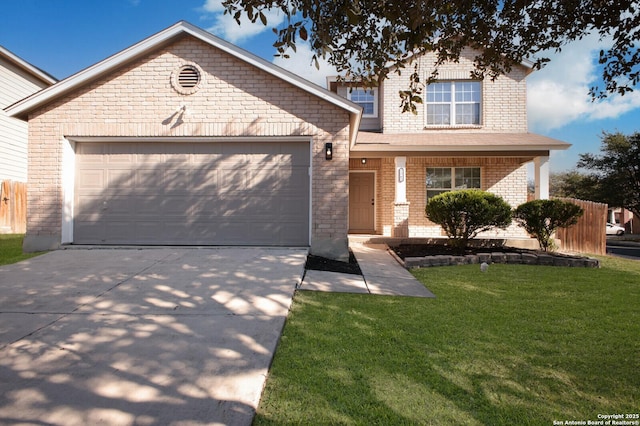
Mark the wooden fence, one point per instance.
(13, 207)
(589, 234)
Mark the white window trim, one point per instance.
(453, 177)
(375, 100)
(452, 107)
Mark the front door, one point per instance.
(362, 202)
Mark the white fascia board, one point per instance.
(35, 71)
(527, 63)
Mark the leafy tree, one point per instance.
(574, 184)
(616, 170)
(465, 213)
(541, 218)
(367, 39)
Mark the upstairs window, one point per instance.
(367, 99)
(443, 179)
(453, 103)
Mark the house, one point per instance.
(184, 138)
(466, 134)
(18, 79)
(623, 217)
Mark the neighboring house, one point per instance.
(624, 218)
(466, 134)
(18, 79)
(184, 138)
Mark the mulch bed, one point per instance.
(419, 250)
(410, 250)
(318, 263)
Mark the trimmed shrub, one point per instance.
(541, 218)
(463, 214)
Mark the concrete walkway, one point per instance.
(381, 275)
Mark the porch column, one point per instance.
(400, 205)
(541, 168)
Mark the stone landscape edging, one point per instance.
(513, 258)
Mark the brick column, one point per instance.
(400, 220)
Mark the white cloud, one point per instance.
(558, 94)
(617, 106)
(213, 6)
(226, 27)
(300, 63)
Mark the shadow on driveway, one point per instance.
(142, 336)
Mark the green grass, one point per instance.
(518, 345)
(11, 249)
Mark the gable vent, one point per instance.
(188, 77)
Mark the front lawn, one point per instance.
(11, 249)
(518, 345)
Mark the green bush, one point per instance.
(541, 218)
(465, 213)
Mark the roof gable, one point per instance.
(22, 108)
(333, 80)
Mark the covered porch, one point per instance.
(393, 175)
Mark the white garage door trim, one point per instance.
(69, 160)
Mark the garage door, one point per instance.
(192, 193)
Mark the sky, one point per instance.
(63, 37)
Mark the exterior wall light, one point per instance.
(328, 151)
(364, 161)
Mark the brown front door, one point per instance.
(362, 202)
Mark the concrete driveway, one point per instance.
(141, 336)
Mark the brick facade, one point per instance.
(504, 101)
(504, 176)
(235, 99)
(238, 100)
(503, 111)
